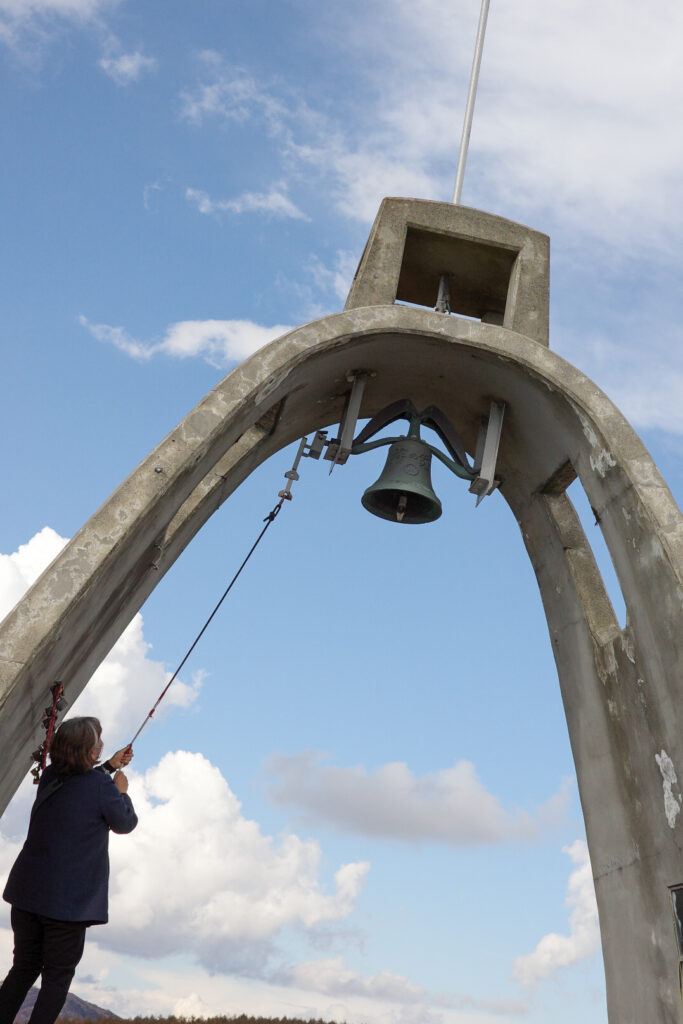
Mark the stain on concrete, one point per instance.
(672, 806)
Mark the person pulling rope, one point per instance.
(58, 885)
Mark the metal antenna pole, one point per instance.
(471, 96)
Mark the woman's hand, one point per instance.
(121, 758)
(121, 782)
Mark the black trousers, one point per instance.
(42, 946)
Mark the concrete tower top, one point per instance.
(499, 271)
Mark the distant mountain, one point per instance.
(75, 1008)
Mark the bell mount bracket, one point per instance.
(482, 475)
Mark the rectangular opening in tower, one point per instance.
(479, 273)
(676, 893)
(593, 530)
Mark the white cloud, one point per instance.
(148, 192)
(573, 114)
(31, 19)
(126, 684)
(78, 9)
(449, 806)
(325, 289)
(360, 171)
(649, 391)
(596, 137)
(22, 568)
(573, 119)
(197, 875)
(127, 67)
(231, 93)
(338, 279)
(219, 342)
(320, 990)
(274, 202)
(332, 977)
(119, 337)
(555, 951)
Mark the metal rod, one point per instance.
(443, 299)
(348, 427)
(471, 96)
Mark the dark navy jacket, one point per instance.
(63, 868)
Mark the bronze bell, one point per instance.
(403, 493)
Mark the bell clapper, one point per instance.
(401, 508)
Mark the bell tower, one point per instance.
(620, 686)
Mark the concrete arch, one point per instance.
(620, 687)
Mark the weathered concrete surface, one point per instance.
(621, 688)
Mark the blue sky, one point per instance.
(359, 803)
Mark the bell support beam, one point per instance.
(486, 456)
(621, 687)
(351, 413)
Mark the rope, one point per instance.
(59, 701)
(270, 518)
